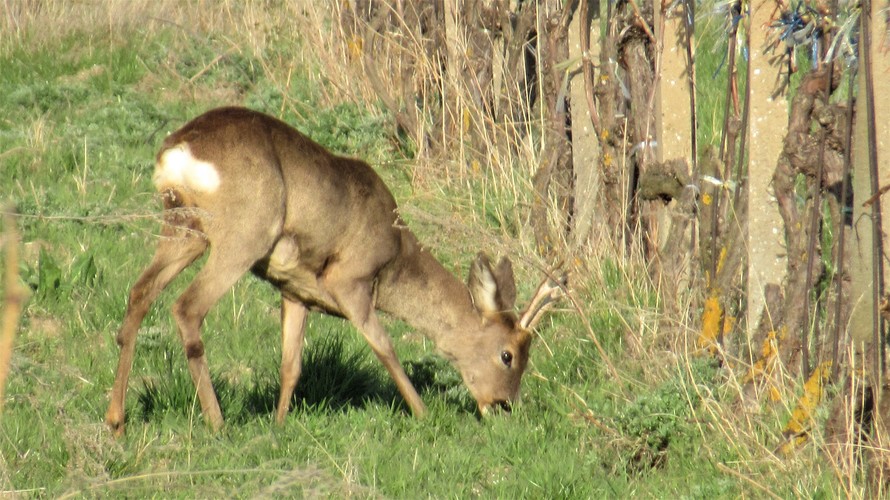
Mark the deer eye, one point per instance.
(507, 358)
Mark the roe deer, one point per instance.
(325, 231)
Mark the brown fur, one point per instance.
(324, 230)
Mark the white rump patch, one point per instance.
(177, 167)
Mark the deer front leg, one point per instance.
(354, 300)
(293, 329)
(382, 346)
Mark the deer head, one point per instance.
(492, 367)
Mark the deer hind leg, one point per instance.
(354, 298)
(174, 253)
(293, 329)
(228, 261)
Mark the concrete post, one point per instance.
(585, 143)
(767, 127)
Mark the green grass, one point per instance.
(81, 117)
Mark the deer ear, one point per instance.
(488, 286)
(506, 284)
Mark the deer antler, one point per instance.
(549, 291)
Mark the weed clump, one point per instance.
(658, 417)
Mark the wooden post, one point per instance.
(585, 143)
(871, 143)
(767, 127)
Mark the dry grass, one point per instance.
(35, 22)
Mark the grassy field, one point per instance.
(88, 90)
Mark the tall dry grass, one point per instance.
(34, 22)
(742, 417)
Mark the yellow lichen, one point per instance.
(710, 326)
(796, 432)
(721, 259)
(354, 47)
(765, 365)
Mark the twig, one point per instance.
(727, 150)
(589, 416)
(85, 219)
(12, 302)
(816, 217)
(587, 65)
(839, 276)
(873, 198)
(207, 67)
(876, 223)
(727, 470)
(643, 24)
(689, 30)
(167, 475)
(689, 41)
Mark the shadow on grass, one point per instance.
(335, 377)
(433, 376)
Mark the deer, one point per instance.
(325, 231)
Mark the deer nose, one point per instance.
(496, 407)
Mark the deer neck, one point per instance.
(417, 289)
